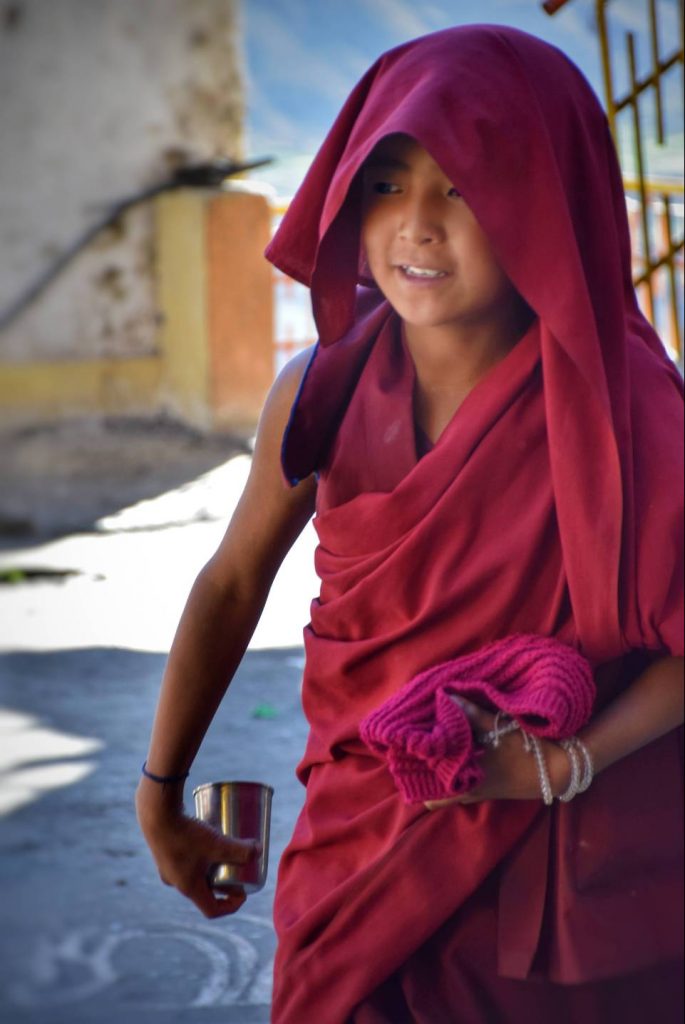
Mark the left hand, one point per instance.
(510, 770)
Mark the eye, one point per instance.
(454, 193)
(384, 188)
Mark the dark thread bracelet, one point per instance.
(163, 779)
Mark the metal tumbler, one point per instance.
(241, 810)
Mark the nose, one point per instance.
(420, 222)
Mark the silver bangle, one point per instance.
(588, 765)
(580, 759)
(532, 744)
(493, 737)
(576, 773)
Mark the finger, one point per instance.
(435, 805)
(211, 905)
(478, 717)
(473, 796)
(226, 850)
(227, 903)
(234, 891)
(234, 897)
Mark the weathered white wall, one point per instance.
(99, 98)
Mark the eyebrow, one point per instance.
(386, 161)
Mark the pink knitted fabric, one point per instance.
(425, 736)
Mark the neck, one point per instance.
(467, 350)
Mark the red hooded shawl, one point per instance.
(550, 505)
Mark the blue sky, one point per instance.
(303, 57)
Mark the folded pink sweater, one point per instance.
(425, 736)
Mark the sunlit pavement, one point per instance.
(88, 931)
(134, 573)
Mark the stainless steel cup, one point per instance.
(241, 810)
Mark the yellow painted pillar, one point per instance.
(216, 298)
(40, 391)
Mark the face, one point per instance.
(424, 247)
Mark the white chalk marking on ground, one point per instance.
(235, 975)
(262, 987)
(256, 988)
(50, 959)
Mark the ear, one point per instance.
(364, 275)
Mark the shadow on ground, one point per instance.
(89, 933)
(62, 478)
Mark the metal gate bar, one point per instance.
(655, 199)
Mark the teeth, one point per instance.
(423, 272)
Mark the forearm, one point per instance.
(221, 613)
(649, 708)
(212, 636)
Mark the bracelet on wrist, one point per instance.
(573, 788)
(503, 725)
(582, 768)
(163, 780)
(588, 772)
(533, 746)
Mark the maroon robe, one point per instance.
(549, 505)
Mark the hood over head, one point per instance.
(517, 128)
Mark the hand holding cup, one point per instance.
(239, 810)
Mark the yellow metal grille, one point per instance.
(655, 208)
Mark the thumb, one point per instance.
(235, 851)
(478, 717)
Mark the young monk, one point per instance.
(490, 434)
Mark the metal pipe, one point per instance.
(642, 84)
(671, 188)
(654, 33)
(672, 278)
(681, 12)
(639, 160)
(209, 175)
(606, 67)
(657, 264)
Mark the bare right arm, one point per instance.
(220, 616)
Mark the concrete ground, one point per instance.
(104, 530)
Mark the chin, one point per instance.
(433, 321)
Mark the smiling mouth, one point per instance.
(423, 273)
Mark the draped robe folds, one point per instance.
(422, 560)
(551, 504)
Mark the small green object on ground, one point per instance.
(265, 711)
(12, 576)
